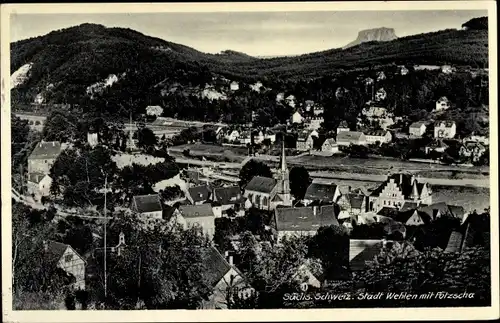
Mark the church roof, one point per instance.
(261, 184)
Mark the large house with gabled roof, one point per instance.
(42, 158)
(398, 189)
(324, 193)
(148, 206)
(304, 221)
(63, 256)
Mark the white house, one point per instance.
(381, 76)
(92, 139)
(445, 129)
(201, 216)
(314, 123)
(297, 117)
(378, 136)
(403, 70)
(330, 146)
(347, 138)
(305, 141)
(148, 206)
(442, 104)
(343, 126)
(417, 129)
(233, 135)
(380, 95)
(234, 86)
(280, 97)
(39, 185)
(290, 100)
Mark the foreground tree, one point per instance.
(299, 181)
(253, 168)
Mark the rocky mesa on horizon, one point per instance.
(375, 34)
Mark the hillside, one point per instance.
(71, 62)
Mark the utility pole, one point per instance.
(105, 246)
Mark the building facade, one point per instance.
(445, 129)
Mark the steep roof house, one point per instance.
(326, 193)
(42, 158)
(228, 197)
(398, 189)
(330, 146)
(413, 217)
(442, 104)
(224, 278)
(445, 129)
(378, 136)
(417, 129)
(199, 194)
(63, 256)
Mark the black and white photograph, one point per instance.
(282, 157)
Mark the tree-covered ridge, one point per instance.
(480, 23)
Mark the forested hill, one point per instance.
(63, 64)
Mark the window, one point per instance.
(68, 258)
(384, 202)
(257, 200)
(264, 201)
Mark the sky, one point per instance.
(254, 33)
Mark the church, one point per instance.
(267, 193)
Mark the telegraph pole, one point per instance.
(105, 246)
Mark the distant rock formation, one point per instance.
(377, 34)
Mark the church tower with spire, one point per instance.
(283, 196)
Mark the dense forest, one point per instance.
(151, 71)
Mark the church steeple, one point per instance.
(283, 192)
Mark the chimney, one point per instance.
(230, 260)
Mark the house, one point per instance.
(343, 126)
(472, 149)
(232, 136)
(380, 95)
(148, 206)
(374, 113)
(446, 69)
(259, 192)
(413, 217)
(42, 158)
(417, 129)
(198, 194)
(245, 137)
(305, 276)
(442, 104)
(445, 129)
(303, 221)
(309, 105)
(200, 215)
(305, 140)
(318, 110)
(330, 146)
(297, 117)
(39, 185)
(398, 189)
(403, 70)
(224, 279)
(323, 193)
(314, 123)
(437, 145)
(234, 86)
(280, 97)
(352, 205)
(63, 256)
(479, 139)
(92, 139)
(229, 197)
(257, 86)
(378, 137)
(381, 76)
(347, 138)
(290, 100)
(362, 252)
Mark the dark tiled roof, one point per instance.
(322, 192)
(261, 184)
(455, 242)
(379, 133)
(417, 124)
(388, 211)
(228, 195)
(304, 219)
(46, 150)
(168, 211)
(433, 209)
(356, 200)
(36, 177)
(195, 211)
(55, 251)
(446, 123)
(200, 193)
(408, 206)
(457, 211)
(215, 266)
(349, 136)
(147, 203)
(363, 251)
